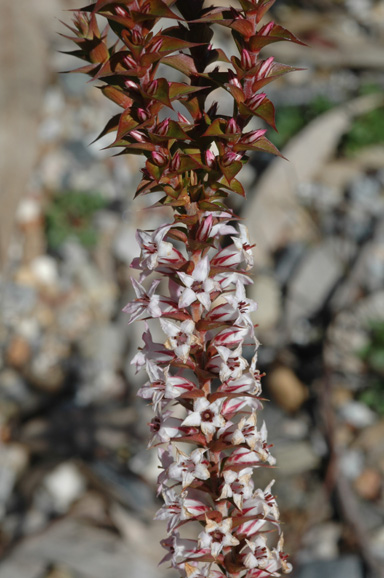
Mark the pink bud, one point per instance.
(152, 87)
(131, 84)
(253, 136)
(246, 60)
(233, 80)
(265, 30)
(182, 118)
(162, 127)
(255, 101)
(146, 8)
(175, 163)
(265, 68)
(232, 127)
(210, 158)
(157, 45)
(204, 229)
(159, 158)
(121, 11)
(142, 115)
(136, 37)
(229, 157)
(129, 61)
(138, 135)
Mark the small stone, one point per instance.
(368, 484)
(357, 414)
(65, 484)
(44, 269)
(344, 567)
(287, 390)
(18, 352)
(352, 463)
(266, 292)
(295, 458)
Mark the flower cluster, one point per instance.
(203, 382)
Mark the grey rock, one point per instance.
(344, 567)
(317, 275)
(296, 458)
(357, 414)
(16, 300)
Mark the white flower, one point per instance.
(228, 363)
(155, 251)
(180, 337)
(217, 536)
(187, 468)
(198, 286)
(154, 352)
(243, 245)
(237, 485)
(146, 302)
(242, 306)
(205, 415)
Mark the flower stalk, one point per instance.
(204, 389)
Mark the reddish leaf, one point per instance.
(262, 144)
(182, 63)
(266, 111)
(215, 129)
(117, 96)
(277, 34)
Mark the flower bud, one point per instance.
(265, 68)
(157, 45)
(246, 60)
(182, 118)
(138, 135)
(255, 101)
(233, 80)
(253, 136)
(142, 115)
(265, 30)
(159, 158)
(136, 37)
(120, 11)
(151, 87)
(230, 157)
(162, 127)
(175, 163)
(210, 158)
(132, 85)
(129, 61)
(232, 127)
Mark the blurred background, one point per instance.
(76, 481)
